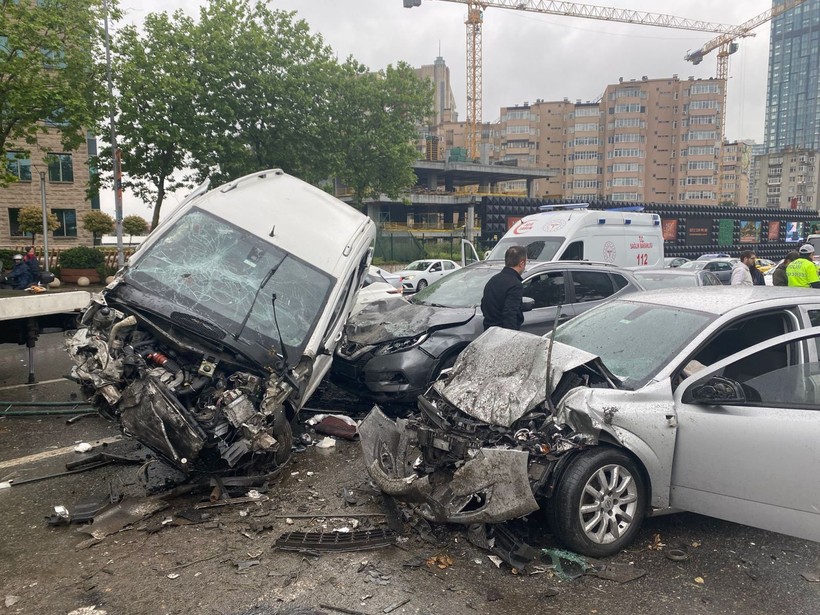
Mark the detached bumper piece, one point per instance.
(491, 486)
(362, 540)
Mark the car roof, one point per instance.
(533, 266)
(723, 299)
(670, 272)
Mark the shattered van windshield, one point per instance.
(625, 334)
(212, 269)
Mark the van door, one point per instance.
(468, 253)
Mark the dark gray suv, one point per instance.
(392, 350)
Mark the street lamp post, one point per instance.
(45, 215)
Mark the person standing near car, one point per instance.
(741, 274)
(779, 277)
(501, 302)
(802, 272)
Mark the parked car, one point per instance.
(222, 324)
(764, 264)
(392, 351)
(674, 261)
(713, 255)
(721, 267)
(418, 275)
(605, 425)
(378, 284)
(652, 279)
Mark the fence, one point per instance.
(110, 255)
(406, 247)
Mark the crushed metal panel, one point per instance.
(386, 320)
(644, 422)
(502, 375)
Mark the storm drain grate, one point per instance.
(336, 541)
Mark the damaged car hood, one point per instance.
(504, 374)
(390, 319)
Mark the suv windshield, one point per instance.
(462, 288)
(625, 334)
(538, 248)
(212, 269)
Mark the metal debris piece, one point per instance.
(395, 605)
(11, 600)
(495, 560)
(244, 565)
(811, 577)
(230, 502)
(336, 541)
(618, 572)
(341, 609)
(126, 513)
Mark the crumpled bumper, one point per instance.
(491, 487)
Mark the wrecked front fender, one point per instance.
(491, 487)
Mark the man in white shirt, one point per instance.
(741, 276)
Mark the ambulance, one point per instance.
(623, 237)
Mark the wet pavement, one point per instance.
(227, 563)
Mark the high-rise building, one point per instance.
(444, 103)
(793, 94)
(787, 179)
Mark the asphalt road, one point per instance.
(226, 562)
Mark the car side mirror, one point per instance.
(718, 391)
(527, 303)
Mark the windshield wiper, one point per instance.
(264, 282)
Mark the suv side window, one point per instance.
(591, 285)
(619, 280)
(574, 252)
(547, 289)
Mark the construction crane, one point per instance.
(475, 19)
(726, 46)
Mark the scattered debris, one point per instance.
(811, 577)
(341, 609)
(495, 560)
(442, 561)
(656, 544)
(244, 565)
(326, 443)
(677, 555)
(231, 502)
(618, 572)
(337, 425)
(335, 541)
(567, 565)
(127, 512)
(374, 575)
(699, 580)
(83, 447)
(173, 575)
(493, 595)
(11, 600)
(395, 605)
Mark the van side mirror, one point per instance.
(527, 303)
(717, 391)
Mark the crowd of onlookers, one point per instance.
(24, 273)
(797, 269)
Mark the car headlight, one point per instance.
(408, 277)
(401, 345)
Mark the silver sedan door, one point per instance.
(748, 431)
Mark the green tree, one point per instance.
(153, 75)
(264, 96)
(134, 225)
(30, 220)
(376, 117)
(98, 223)
(48, 72)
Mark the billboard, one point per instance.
(794, 231)
(774, 230)
(670, 229)
(750, 231)
(697, 231)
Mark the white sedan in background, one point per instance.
(378, 284)
(418, 275)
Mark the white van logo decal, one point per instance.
(609, 252)
(524, 227)
(554, 225)
(640, 244)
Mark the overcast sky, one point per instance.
(527, 55)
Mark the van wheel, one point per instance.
(421, 285)
(599, 504)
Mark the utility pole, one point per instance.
(115, 153)
(45, 215)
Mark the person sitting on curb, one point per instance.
(19, 278)
(802, 272)
(779, 277)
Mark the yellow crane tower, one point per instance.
(475, 18)
(726, 46)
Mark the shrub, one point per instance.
(5, 259)
(81, 257)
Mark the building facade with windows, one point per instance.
(66, 184)
(787, 179)
(793, 93)
(735, 170)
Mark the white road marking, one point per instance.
(53, 453)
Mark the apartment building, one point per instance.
(735, 169)
(66, 177)
(655, 140)
(787, 179)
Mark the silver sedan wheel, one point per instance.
(609, 503)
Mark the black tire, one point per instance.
(603, 524)
(421, 285)
(283, 432)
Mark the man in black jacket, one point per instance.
(501, 303)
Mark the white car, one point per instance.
(378, 284)
(418, 275)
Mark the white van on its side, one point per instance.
(574, 232)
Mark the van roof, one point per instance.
(565, 222)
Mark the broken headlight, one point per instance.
(401, 345)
